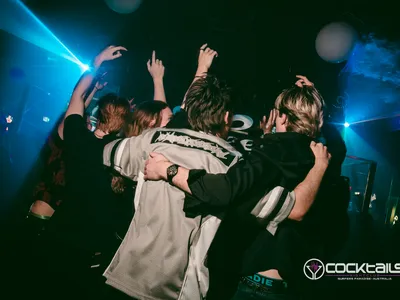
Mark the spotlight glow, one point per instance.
(25, 25)
(46, 119)
(84, 68)
(346, 125)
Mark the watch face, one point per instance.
(172, 170)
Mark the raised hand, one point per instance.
(266, 126)
(322, 156)
(303, 81)
(131, 104)
(155, 67)
(206, 58)
(100, 83)
(110, 53)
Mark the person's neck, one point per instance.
(100, 133)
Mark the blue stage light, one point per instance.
(346, 125)
(84, 67)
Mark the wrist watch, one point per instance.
(171, 172)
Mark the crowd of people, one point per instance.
(155, 205)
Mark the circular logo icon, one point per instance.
(314, 269)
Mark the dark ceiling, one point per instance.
(262, 44)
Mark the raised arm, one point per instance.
(206, 58)
(156, 70)
(97, 87)
(77, 102)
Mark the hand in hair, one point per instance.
(266, 126)
(110, 53)
(206, 58)
(155, 67)
(303, 81)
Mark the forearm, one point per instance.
(306, 191)
(89, 98)
(77, 103)
(181, 180)
(159, 91)
(219, 190)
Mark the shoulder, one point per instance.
(74, 119)
(74, 124)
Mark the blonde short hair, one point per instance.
(303, 108)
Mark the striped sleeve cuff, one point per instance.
(111, 158)
(274, 207)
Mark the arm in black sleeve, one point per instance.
(221, 190)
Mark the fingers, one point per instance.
(119, 48)
(276, 112)
(301, 77)
(210, 52)
(271, 116)
(148, 65)
(206, 50)
(303, 80)
(117, 54)
(153, 57)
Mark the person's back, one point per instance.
(85, 221)
(241, 247)
(324, 230)
(82, 220)
(298, 117)
(161, 253)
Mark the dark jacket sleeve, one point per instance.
(216, 191)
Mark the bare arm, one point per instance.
(306, 192)
(97, 87)
(156, 70)
(77, 103)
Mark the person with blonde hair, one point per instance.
(300, 109)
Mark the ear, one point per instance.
(282, 119)
(227, 117)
